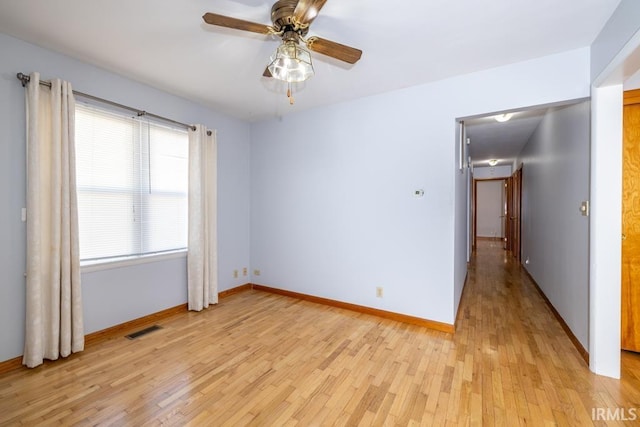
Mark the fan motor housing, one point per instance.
(282, 16)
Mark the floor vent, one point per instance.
(144, 331)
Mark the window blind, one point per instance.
(132, 179)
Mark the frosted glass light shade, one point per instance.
(291, 63)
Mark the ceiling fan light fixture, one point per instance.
(291, 63)
(503, 117)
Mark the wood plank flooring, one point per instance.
(264, 359)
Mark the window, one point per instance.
(132, 179)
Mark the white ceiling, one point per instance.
(166, 44)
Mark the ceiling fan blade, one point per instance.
(238, 24)
(307, 10)
(267, 73)
(339, 51)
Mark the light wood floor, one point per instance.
(264, 359)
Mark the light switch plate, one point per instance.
(584, 208)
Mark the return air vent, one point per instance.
(143, 332)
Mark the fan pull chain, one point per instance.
(290, 95)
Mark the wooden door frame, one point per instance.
(518, 211)
(509, 214)
(514, 214)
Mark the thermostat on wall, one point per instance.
(418, 193)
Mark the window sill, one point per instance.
(124, 262)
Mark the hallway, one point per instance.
(530, 368)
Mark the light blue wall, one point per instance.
(111, 296)
(332, 206)
(619, 29)
(555, 236)
(333, 212)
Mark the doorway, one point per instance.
(490, 210)
(497, 212)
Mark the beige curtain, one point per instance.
(202, 258)
(54, 325)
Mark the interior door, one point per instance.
(630, 328)
(517, 213)
(509, 214)
(505, 213)
(514, 207)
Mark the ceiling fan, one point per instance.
(291, 20)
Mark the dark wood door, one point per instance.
(517, 213)
(514, 208)
(509, 214)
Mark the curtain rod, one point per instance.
(25, 79)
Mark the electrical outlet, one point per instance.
(256, 272)
(235, 274)
(379, 292)
(244, 271)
